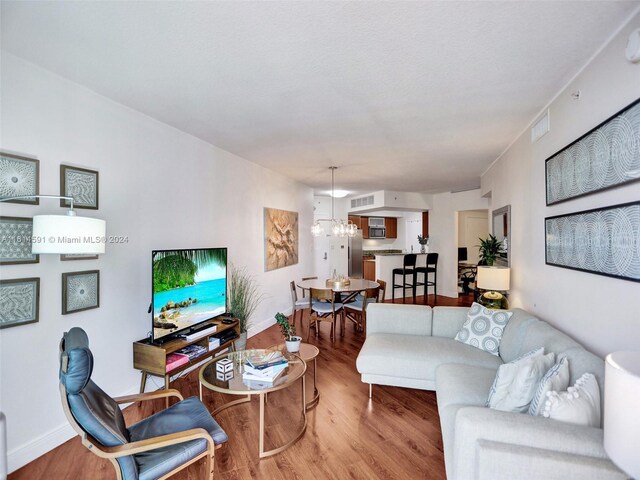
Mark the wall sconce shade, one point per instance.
(622, 410)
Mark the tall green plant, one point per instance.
(489, 249)
(244, 296)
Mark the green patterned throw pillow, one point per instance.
(483, 328)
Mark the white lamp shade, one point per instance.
(622, 411)
(68, 234)
(493, 278)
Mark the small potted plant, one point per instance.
(289, 333)
(489, 249)
(423, 241)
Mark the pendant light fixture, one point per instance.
(339, 228)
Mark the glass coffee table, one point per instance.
(231, 383)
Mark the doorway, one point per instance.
(472, 226)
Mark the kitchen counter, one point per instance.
(386, 262)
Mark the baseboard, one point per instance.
(263, 325)
(28, 452)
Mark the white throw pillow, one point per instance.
(579, 405)
(483, 328)
(516, 381)
(557, 378)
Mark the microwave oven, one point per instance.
(377, 232)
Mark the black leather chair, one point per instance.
(408, 269)
(155, 447)
(430, 267)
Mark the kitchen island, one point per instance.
(386, 262)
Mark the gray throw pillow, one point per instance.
(483, 328)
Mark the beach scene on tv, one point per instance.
(189, 286)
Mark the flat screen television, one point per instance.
(189, 286)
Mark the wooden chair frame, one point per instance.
(112, 453)
(315, 317)
(359, 317)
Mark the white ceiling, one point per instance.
(408, 96)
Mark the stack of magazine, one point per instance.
(264, 368)
(193, 351)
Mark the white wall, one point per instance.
(160, 187)
(598, 311)
(443, 234)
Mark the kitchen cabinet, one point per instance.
(391, 225)
(364, 221)
(369, 269)
(425, 224)
(356, 220)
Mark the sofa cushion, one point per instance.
(541, 334)
(516, 382)
(514, 334)
(556, 378)
(458, 386)
(447, 321)
(579, 405)
(417, 356)
(483, 328)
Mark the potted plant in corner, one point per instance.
(489, 249)
(289, 333)
(244, 298)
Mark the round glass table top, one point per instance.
(231, 382)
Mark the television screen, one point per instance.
(189, 287)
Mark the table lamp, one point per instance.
(621, 410)
(495, 280)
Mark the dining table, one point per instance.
(347, 292)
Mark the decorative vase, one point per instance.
(423, 249)
(241, 342)
(293, 345)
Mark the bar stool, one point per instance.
(430, 267)
(408, 268)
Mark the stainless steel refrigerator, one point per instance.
(355, 255)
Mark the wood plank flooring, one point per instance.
(395, 435)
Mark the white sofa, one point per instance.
(412, 346)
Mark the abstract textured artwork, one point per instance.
(604, 157)
(280, 238)
(19, 176)
(80, 291)
(19, 301)
(605, 241)
(81, 184)
(15, 241)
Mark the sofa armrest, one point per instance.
(534, 438)
(401, 319)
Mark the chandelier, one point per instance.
(339, 228)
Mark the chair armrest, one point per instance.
(475, 425)
(400, 319)
(138, 397)
(156, 442)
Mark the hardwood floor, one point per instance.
(394, 435)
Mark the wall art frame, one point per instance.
(606, 156)
(82, 184)
(19, 176)
(604, 241)
(19, 302)
(80, 291)
(16, 240)
(280, 238)
(64, 257)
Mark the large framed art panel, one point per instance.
(604, 241)
(604, 157)
(280, 238)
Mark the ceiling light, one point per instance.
(339, 228)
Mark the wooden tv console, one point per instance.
(151, 359)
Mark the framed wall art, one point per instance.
(80, 291)
(19, 301)
(19, 176)
(15, 241)
(81, 184)
(604, 157)
(280, 238)
(605, 241)
(65, 257)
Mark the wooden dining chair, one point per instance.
(297, 304)
(383, 290)
(357, 311)
(323, 309)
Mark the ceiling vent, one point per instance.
(540, 128)
(362, 201)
